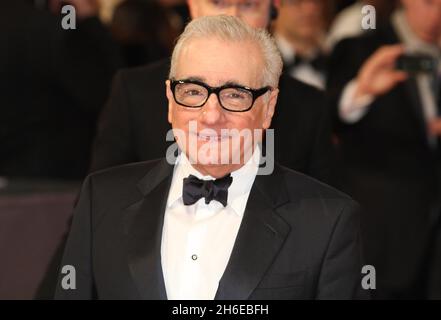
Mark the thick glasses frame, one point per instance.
(255, 93)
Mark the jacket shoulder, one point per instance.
(306, 187)
(127, 172)
(316, 206)
(120, 186)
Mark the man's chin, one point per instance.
(216, 170)
(213, 163)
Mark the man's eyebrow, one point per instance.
(195, 79)
(234, 84)
(228, 83)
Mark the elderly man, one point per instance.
(136, 112)
(198, 229)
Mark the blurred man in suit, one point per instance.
(128, 132)
(300, 31)
(386, 122)
(214, 228)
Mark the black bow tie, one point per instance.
(318, 63)
(195, 189)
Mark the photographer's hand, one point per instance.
(378, 74)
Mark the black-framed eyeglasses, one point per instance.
(234, 98)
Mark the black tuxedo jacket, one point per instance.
(389, 167)
(135, 120)
(299, 239)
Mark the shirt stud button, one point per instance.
(194, 257)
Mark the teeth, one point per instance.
(211, 138)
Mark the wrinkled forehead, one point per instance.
(216, 62)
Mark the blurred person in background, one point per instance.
(129, 126)
(388, 124)
(143, 30)
(299, 30)
(53, 85)
(177, 11)
(347, 23)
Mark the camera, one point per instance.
(416, 63)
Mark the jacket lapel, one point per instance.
(259, 239)
(143, 223)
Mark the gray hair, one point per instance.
(230, 28)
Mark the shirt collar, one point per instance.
(238, 192)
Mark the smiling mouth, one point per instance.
(211, 137)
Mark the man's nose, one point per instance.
(212, 111)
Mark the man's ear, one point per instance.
(271, 109)
(170, 98)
